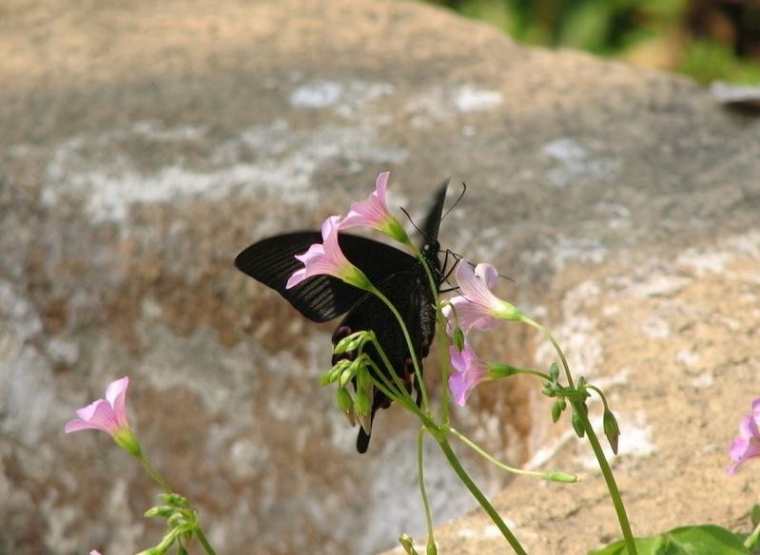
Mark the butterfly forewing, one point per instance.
(321, 298)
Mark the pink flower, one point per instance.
(94, 552)
(327, 259)
(747, 444)
(477, 307)
(469, 372)
(374, 213)
(108, 415)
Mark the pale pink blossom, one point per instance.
(374, 212)
(477, 307)
(94, 552)
(108, 415)
(327, 258)
(747, 444)
(469, 371)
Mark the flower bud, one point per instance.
(554, 372)
(432, 549)
(343, 399)
(163, 511)
(361, 403)
(350, 343)
(408, 544)
(557, 408)
(577, 422)
(611, 429)
(345, 376)
(563, 477)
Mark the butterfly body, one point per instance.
(398, 275)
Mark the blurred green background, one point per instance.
(705, 39)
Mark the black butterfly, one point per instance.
(400, 277)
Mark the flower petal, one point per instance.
(470, 371)
(487, 273)
(372, 212)
(100, 416)
(467, 315)
(473, 288)
(116, 395)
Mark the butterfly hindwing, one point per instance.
(410, 294)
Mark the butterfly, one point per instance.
(398, 275)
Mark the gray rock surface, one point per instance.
(142, 147)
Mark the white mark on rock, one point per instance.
(345, 98)
(703, 263)
(575, 164)
(318, 94)
(656, 328)
(471, 99)
(688, 358)
(270, 158)
(703, 380)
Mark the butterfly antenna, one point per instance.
(459, 198)
(411, 221)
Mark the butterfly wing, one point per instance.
(321, 298)
(432, 222)
(409, 293)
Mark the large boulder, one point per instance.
(143, 147)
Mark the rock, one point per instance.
(143, 148)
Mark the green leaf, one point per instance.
(687, 540)
(755, 515)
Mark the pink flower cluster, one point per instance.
(477, 308)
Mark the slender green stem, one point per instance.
(749, 543)
(154, 474)
(478, 495)
(580, 409)
(601, 396)
(556, 346)
(204, 541)
(493, 460)
(609, 478)
(402, 391)
(423, 492)
(410, 345)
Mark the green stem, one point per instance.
(423, 492)
(204, 541)
(580, 409)
(410, 345)
(490, 458)
(154, 474)
(477, 494)
(609, 478)
(749, 543)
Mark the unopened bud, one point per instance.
(361, 403)
(557, 408)
(611, 429)
(432, 549)
(345, 376)
(350, 342)
(343, 399)
(554, 372)
(561, 477)
(577, 422)
(163, 511)
(408, 544)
